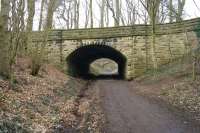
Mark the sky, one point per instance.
(191, 11)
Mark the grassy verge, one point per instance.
(173, 83)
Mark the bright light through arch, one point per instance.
(104, 66)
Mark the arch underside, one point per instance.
(79, 61)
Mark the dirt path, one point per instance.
(128, 112)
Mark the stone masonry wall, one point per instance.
(135, 47)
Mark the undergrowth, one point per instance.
(176, 85)
(181, 67)
(42, 101)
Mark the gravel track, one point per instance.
(128, 112)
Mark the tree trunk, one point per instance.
(29, 26)
(39, 52)
(152, 7)
(75, 14)
(41, 14)
(5, 9)
(181, 4)
(91, 14)
(4, 59)
(102, 13)
(107, 16)
(170, 11)
(86, 13)
(117, 8)
(31, 13)
(50, 13)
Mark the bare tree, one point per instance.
(117, 9)
(181, 4)
(91, 14)
(86, 10)
(110, 6)
(131, 12)
(9, 47)
(65, 13)
(29, 26)
(102, 12)
(31, 13)
(41, 14)
(107, 16)
(152, 7)
(0, 6)
(38, 53)
(50, 13)
(4, 16)
(76, 13)
(170, 11)
(5, 9)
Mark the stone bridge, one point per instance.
(129, 46)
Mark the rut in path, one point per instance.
(128, 112)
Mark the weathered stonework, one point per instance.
(172, 41)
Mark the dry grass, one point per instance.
(174, 85)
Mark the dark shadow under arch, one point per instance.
(79, 61)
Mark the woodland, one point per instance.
(37, 96)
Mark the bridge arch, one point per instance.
(79, 60)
